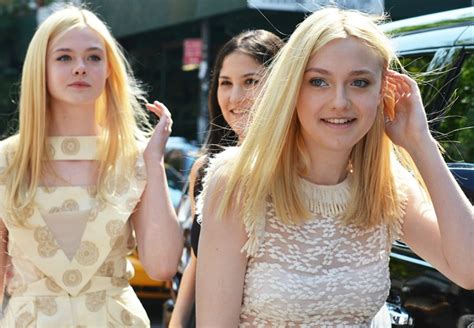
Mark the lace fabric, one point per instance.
(316, 274)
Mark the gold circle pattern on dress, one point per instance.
(119, 282)
(106, 269)
(47, 246)
(52, 286)
(70, 146)
(72, 278)
(127, 318)
(86, 287)
(87, 253)
(95, 301)
(47, 249)
(118, 184)
(117, 242)
(114, 228)
(70, 205)
(24, 320)
(46, 305)
(42, 234)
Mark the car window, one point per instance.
(458, 125)
(445, 79)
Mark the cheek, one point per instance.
(221, 99)
(99, 72)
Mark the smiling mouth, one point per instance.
(239, 111)
(338, 121)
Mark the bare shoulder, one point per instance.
(198, 164)
(7, 151)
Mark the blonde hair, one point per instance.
(118, 112)
(266, 162)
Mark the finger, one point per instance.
(156, 110)
(163, 108)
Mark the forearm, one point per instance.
(453, 210)
(186, 296)
(160, 239)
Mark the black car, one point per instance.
(438, 49)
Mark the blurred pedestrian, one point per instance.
(80, 181)
(240, 68)
(339, 161)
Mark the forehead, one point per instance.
(346, 54)
(77, 38)
(239, 63)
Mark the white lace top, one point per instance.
(318, 274)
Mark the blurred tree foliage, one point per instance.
(17, 24)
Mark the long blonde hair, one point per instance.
(273, 155)
(118, 112)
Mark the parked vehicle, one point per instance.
(179, 158)
(442, 45)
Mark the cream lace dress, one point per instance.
(68, 265)
(318, 274)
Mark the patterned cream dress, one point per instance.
(68, 264)
(317, 274)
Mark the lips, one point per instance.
(338, 121)
(239, 111)
(80, 84)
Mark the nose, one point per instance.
(341, 100)
(237, 95)
(80, 68)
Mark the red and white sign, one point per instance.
(192, 53)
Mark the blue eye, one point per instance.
(360, 83)
(318, 82)
(64, 58)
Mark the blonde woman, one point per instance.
(338, 162)
(78, 184)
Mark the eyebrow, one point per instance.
(356, 72)
(245, 75)
(70, 50)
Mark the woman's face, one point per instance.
(76, 68)
(239, 84)
(339, 95)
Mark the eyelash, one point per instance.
(94, 58)
(64, 58)
(364, 82)
(316, 82)
(251, 82)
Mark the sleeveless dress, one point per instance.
(68, 263)
(316, 274)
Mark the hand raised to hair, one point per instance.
(155, 149)
(409, 126)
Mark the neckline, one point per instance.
(73, 147)
(327, 200)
